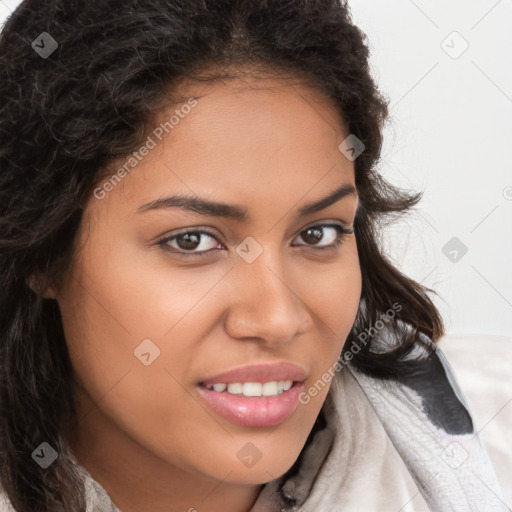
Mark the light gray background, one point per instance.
(451, 136)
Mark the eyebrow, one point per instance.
(235, 212)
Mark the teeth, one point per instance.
(269, 388)
(235, 388)
(272, 388)
(252, 389)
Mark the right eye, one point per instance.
(186, 242)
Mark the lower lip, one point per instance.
(254, 411)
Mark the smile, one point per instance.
(271, 388)
(257, 395)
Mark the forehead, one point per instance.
(244, 135)
(262, 106)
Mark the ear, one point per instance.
(40, 285)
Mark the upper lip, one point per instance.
(259, 373)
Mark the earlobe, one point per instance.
(40, 286)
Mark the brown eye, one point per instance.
(189, 241)
(315, 234)
(195, 242)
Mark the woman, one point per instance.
(196, 313)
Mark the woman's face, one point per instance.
(150, 317)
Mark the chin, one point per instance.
(264, 470)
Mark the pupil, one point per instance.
(316, 237)
(191, 240)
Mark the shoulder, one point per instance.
(482, 364)
(5, 504)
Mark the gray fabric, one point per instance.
(452, 470)
(397, 446)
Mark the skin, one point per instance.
(143, 432)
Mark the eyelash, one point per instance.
(341, 233)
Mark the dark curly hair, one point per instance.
(65, 118)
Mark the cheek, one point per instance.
(335, 300)
(147, 402)
(345, 289)
(333, 294)
(116, 314)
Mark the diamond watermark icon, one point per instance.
(44, 45)
(146, 352)
(454, 45)
(44, 455)
(249, 455)
(454, 249)
(454, 455)
(351, 147)
(249, 249)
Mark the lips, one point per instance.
(255, 411)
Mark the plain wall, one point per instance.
(450, 136)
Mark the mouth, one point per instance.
(255, 396)
(259, 389)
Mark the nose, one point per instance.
(265, 305)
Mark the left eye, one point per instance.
(316, 233)
(187, 242)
